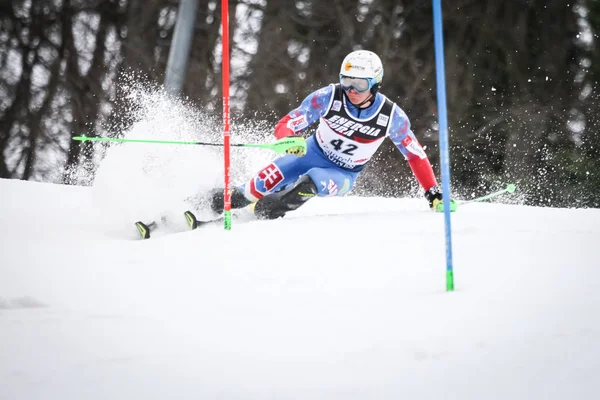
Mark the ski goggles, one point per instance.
(361, 85)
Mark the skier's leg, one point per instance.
(276, 176)
(332, 181)
(284, 172)
(276, 205)
(316, 182)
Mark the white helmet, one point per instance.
(363, 64)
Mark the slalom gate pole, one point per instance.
(443, 131)
(226, 116)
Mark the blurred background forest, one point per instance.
(522, 81)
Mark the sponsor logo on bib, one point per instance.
(382, 120)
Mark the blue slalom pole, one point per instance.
(443, 125)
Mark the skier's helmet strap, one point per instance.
(362, 64)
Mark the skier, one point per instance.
(354, 119)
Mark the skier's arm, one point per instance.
(405, 140)
(310, 110)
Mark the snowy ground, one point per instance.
(345, 299)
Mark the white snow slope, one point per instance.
(343, 299)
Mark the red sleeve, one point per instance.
(421, 168)
(282, 130)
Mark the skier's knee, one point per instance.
(307, 184)
(276, 205)
(318, 177)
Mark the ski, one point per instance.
(145, 229)
(195, 224)
(191, 219)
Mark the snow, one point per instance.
(343, 299)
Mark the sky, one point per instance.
(342, 299)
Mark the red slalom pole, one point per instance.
(226, 117)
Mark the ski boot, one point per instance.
(217, 202)
(276, 205)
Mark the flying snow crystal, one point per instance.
(146, 181)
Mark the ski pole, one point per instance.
(280, 146)
(509, 189)
(455, 203)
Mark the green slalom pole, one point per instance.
(509, 189)
(454, 203)
(280, 146)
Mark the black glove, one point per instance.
(433, 196)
